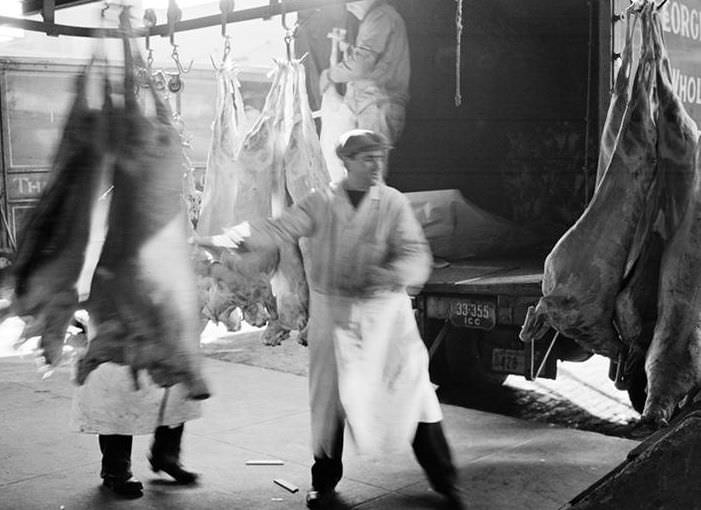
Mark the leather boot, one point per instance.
(116, 466)
(165, 454)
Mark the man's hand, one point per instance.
(380, 278)
(232, 237)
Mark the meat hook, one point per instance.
(226, 7)
(290, 32)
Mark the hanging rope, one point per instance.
(458, 53)
(534, 374)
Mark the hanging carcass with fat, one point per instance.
(584, 271)
(231, 193)
(51, 249)
(143, 309)
(282, 156)
(673, 361)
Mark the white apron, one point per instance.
(108, 403)
(369, 364)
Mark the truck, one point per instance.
(508, 102)
(508, 99)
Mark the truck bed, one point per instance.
(509, 276)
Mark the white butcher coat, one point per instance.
(368, 363)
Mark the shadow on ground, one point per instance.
(533, 406)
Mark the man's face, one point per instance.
(366, 168)
(359, 8)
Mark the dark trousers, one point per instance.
(430, 448)
(116, 450)
(116, 456)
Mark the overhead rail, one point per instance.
(275, 7)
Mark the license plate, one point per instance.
(509, 361)
(472, 313)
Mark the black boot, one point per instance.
(165, 454)
(433, 453)
(116, 466)
(326, 473)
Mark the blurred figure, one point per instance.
(376, 69)
(116, 404)
(368, 367)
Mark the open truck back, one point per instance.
(535, 81)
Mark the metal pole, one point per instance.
(163, 29)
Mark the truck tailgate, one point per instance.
(516, 277)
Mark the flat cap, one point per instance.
(354, 141)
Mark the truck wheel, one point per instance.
(466, 354)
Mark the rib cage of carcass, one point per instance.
(142, 305)
(623, 281)
(278, 162)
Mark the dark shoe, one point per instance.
(319, 500)
(454, 500)
(129, 488)
(174, 469)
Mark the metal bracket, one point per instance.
(48, 10)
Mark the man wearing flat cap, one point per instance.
(368, 367)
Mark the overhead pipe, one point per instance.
(275, 8)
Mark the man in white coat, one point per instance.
(368, 367)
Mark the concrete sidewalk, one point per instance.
(258, 413)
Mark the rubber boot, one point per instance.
(165, 454)
(116, 466)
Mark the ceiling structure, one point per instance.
(36, 6)
(47, 9)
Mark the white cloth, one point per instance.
(109, 403)
(369, 364)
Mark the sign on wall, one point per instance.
(681, 26)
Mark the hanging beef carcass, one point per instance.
(226, 200)
(304, 166)
(305, 169)
(673, 362)
(143, 297)
(636, 305)
(224, 284)
(282, 153)
(281, 143)
(51, 249)
(583, 272)
(620, 95)
(222, 182)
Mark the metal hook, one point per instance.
(289, 32)
(226, 7)
(225, 56)
(176, 58)
(150, 20)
